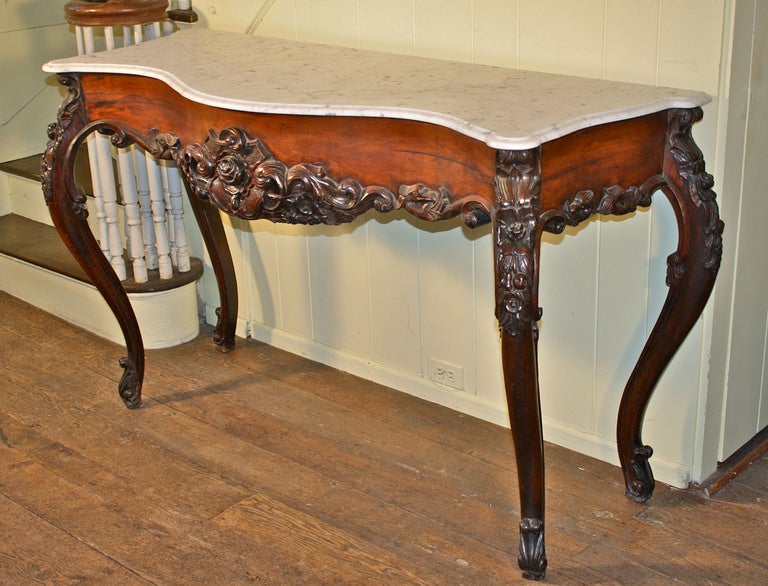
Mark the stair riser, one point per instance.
(166, 318)
(25, 198)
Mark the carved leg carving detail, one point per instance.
(691, 274)
(68, 211)
(516, 232)
(532, 560)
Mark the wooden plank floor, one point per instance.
(263, 467)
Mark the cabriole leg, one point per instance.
(690, 276)
(516, 233)
(68, 211)
(212, 230)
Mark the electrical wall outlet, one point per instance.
(446, 374)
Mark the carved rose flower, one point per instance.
(233, 173)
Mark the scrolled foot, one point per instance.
(221, 337)
(641, 483)
(532, 559)
(130, 385)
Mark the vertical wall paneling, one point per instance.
(568, 295)
(443, 29)
(732, 107)
(744, 390)
(495, 32)
(489, 381)
(447, 295)
(262, 301)
(292, 254)
(562, 37)
(279, 20)
(340, 286)
(631, 40)
(387, 26)
(689, 43)
(333, 22)
(621, 312)
(393, 256)
(226, 16)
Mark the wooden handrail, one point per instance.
(115, 12)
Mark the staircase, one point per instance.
(36, 266)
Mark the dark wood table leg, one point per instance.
(212, 230)
(67, 205)
(189, 160)
(516, 235)
(690, 276)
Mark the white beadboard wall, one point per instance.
(382, 296)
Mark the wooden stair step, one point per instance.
(29, 168)
(40, 245)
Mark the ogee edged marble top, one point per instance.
(505, 108)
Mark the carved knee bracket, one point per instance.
(515, 237)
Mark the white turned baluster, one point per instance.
(80, 40)
(142, 162)
(156, 194)
(171, 227)
(105, 194)
(109, 195)
(98, 195)
(89, 43)
(180, 246)
(109, 37)
(151, 191)
(134, 240)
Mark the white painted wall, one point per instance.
(31, 33)
(380, 297)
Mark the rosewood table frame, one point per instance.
(256, 165)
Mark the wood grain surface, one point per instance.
(260, 466)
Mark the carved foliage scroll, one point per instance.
(239, 175)
(515, 236)
(698, 184)
(70, 110)
(614, 200)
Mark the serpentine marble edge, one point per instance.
(505, 108)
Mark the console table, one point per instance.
(302, 133)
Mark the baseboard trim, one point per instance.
(672, 473)
(732, 466)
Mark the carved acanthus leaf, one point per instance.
(70, 109)
(698, 184)
(515, 236)
(532, 559)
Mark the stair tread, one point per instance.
(41, 245)
(29, 168)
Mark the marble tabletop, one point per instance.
(505, 108)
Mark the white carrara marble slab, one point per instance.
(505, 108)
